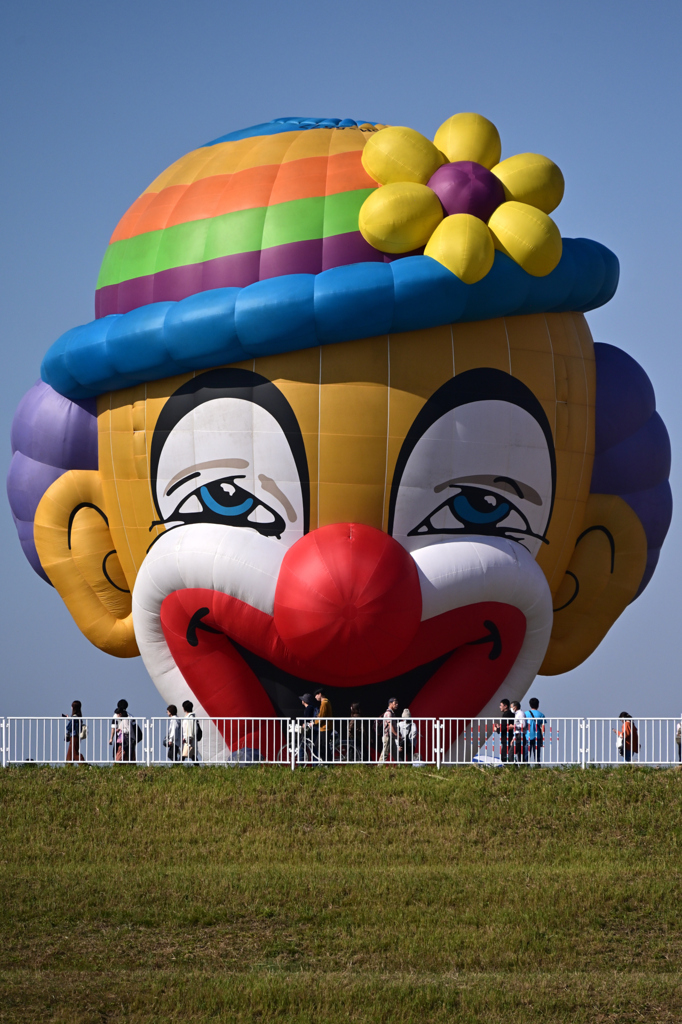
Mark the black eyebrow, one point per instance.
(184, 480)
(512, 483)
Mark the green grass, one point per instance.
(325, 895)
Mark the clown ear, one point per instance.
(602, 578)
(76, 551)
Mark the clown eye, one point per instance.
(227, 503)
(225, 499)
(475, 510)
(479, 508)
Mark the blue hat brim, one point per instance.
(298, 311)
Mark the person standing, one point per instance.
(322, 726)
(505, 727)
(75, 732)
(191, 732)
(390, 737)
(536, 729)
(307, 755)
(357, 746)
(121, 735)
(408, 732)
(520, 746)
(173, 740)
(628, 738)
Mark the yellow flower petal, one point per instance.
(469, 137)
(400, 217)
(533, 179)
(400, 154)
(528, 235)
(463, 244)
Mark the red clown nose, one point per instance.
(348, 599)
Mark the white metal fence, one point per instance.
(343, 741)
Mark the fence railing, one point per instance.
(341, 741)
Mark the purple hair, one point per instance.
(52, 434)
(632, 447)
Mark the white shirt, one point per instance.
(407, 728)
(520, 722)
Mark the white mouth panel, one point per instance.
(453, 573)
(457, 572)
(237, 562)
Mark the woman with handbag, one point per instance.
(627, 740)
(123, 734)
(76, 730)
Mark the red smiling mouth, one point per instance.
(237, 665)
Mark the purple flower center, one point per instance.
(466, 187)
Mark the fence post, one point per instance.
(4, 746)
(437, 726)
(148, 730)
(292, 741)
(584, 743)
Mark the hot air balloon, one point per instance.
(340, 421)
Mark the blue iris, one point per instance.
(224, 510)
(467, 513)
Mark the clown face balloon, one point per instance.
(325, 431)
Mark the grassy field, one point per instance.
(325, 895)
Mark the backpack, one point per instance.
(199, 732)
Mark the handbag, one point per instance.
(619, 742)
(84, 732)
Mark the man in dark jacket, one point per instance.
(505, 727)
(307, 754)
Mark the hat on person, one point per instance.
(307, 698)
(407, 713)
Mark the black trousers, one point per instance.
(534, 747)
(520, 748)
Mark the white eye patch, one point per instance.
(483, 468)
(191, 505)
(240, 448)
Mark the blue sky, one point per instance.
(100, 97)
